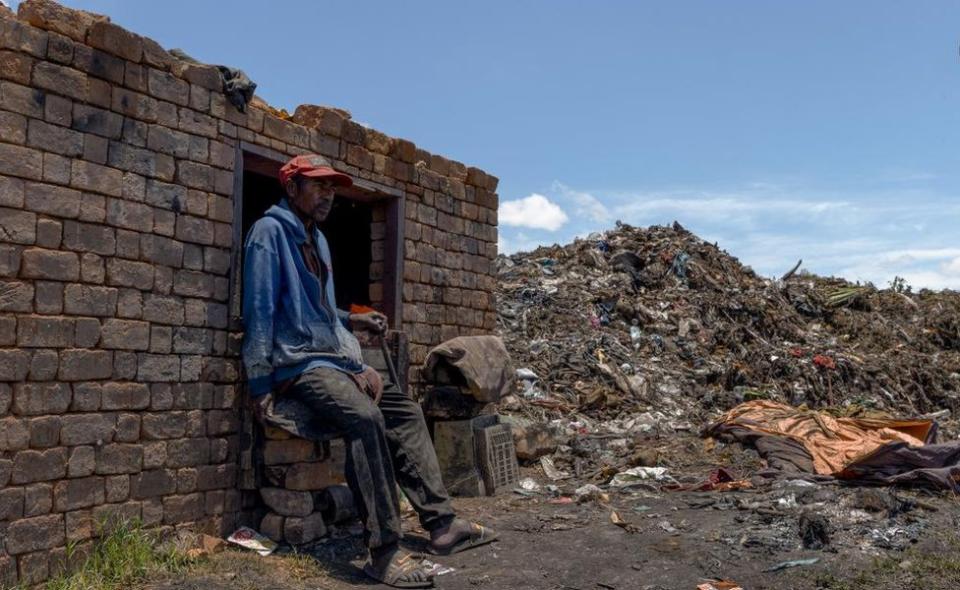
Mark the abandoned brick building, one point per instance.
(127, 181)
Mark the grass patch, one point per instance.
(125, 554)
(915, 568)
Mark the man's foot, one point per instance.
(394, 567)
(458, 536)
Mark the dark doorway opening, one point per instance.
(364, 232)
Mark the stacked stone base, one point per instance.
(295, 474)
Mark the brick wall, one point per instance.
(118, 374)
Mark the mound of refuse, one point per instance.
(643, 329)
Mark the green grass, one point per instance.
(125, 554)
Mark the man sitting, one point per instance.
(297, 344)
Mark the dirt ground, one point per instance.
(877, 539)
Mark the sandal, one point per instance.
(398, 571)
(476, 536)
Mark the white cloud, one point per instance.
(535, 211)
(585, 205)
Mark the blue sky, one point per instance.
(818, 130)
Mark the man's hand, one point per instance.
(262, 406)
(373, 321)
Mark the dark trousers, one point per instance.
(386, 445)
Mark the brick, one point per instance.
(9, 267)
(61, 80)
(95, 149)
(44, 432)
(85, 237)
(22, 99)
(14, 434)
(165, 425)
(51, 16)
(177, 509)
(45, 332)
(149, 484)
(31, 466)
(158, 368)
(130, 305)
(193, 175)
(11, 189)
(197, 123)
(13, 128)
(126, 273)
(279, 452)
(59, 111)
(37, 499)
(163, 309)
(85, 365)
(142, 161)
(49, 233)
(191, 284)
(128, 426)
(44, 365)
(20, 161)
(82, 462)
(166, 86)
(133, 104)
(88, 119)
(11, 504)
(100, 64)
(125, 335)
(194, 229)
(125, 396)
(14, 364)
(188, 452)
(298, 531)
(60, 49)
(53, 138)
(16, 296)
(73, 494)
(90, 300)
(86, 397)
(52, 200)
(18, 227)
(119, 458)
(95, 178)
(8, 332)
(287, 502)
(35, 534)
(116, 40)
(6, 398)
(50, 264)
(117, 488)
(79, 525)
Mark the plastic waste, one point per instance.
(639, 476)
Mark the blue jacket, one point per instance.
(288, 327)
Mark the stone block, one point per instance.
(280, 452)
(287, 502)
(86, 237)
(188, 452)
(89, 119)
(61, 80)
(158, 368)
(166, 86)
(87, 429)
(51, 16)
(11, 504)
(186, 508)
(312, 476)
(89, 300)
(45, 332)
(272, 526)
(20, 161)
(73, 494)
(30, 466)
(44, 432)
(39, 263)
(37, 499)
(14, 434)
(127, 273)
(198, 124)
(153, 483)
(35, 534)
(95, 178)
(129, 215)
(49, 233)
(126, 335)
(193, 284)
(125, 396)
(53, 138)
(117, 488)
(128, 428)
(35, 399)
(115, 40)
(59, 111)
(18, 227)
(82, 461)
(165, 425)
(298, 531)
(85, 365)
(44, 365)
(119, 458)
(11, 189)
(16, 296)
(194, 229)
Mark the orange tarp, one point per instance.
(834, 443)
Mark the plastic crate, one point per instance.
(495, 454)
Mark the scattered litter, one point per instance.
(432, 568)
(640, 475)
(589, 492)
(251, 539)
(793, 563)
(617, 520)
(528, 484)
(551, 470)
(719, 585)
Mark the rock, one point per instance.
(288, 502)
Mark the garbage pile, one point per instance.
(646, 331)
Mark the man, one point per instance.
(297, 344)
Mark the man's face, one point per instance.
(313, 197)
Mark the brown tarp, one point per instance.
(481, 363)
(881, 451)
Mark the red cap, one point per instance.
(312, 166)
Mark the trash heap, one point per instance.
(651, 330)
